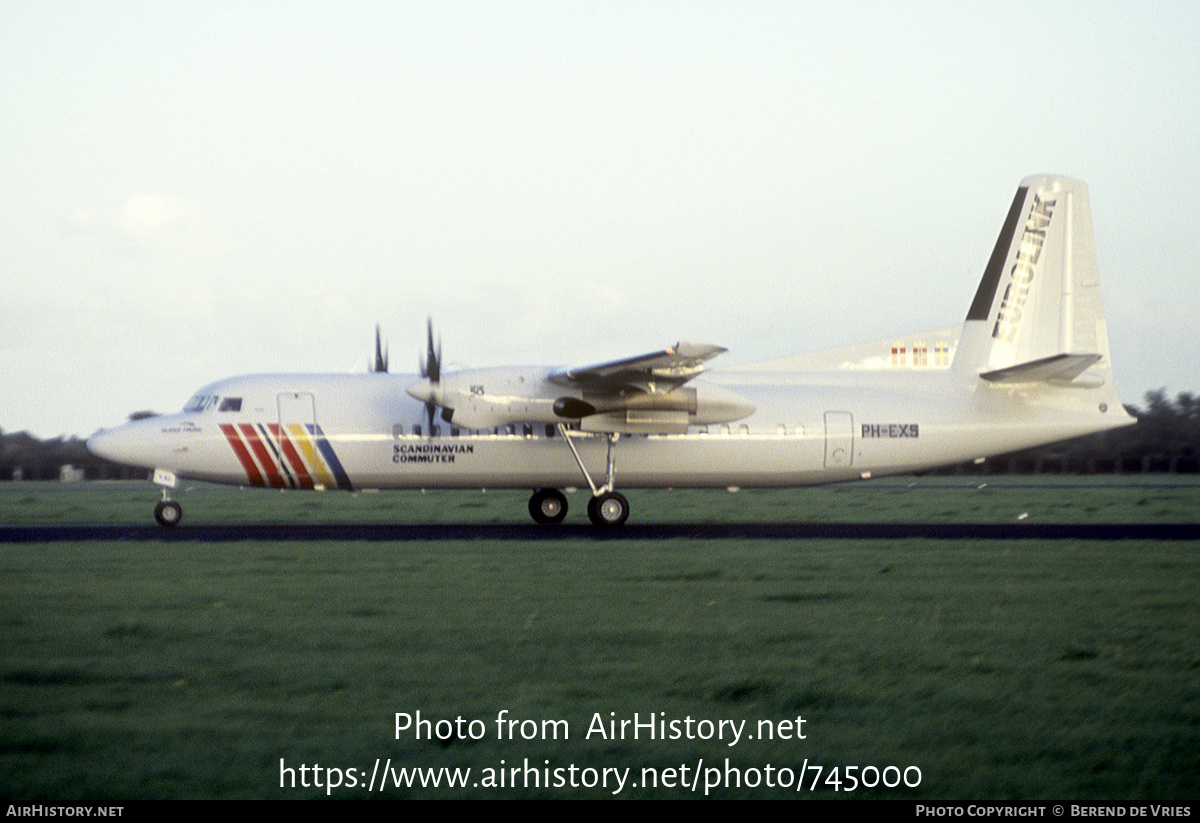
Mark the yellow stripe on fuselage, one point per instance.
(310, 455)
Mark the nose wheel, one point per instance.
(168, 513)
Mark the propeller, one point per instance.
(381, 355)
(431, 370)
(431, 367)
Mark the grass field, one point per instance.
(999, 499)
(1014, 669)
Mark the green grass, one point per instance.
(1042, 498)
(1002, 669)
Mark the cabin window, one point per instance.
(417, 430)
(920, 355)
(397, 431)
(941, 354)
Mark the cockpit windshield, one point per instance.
(200, 403)
(207, 402)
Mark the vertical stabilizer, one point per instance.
(1036, 315)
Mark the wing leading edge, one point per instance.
(645, 394)
(655, 373)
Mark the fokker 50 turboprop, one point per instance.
(1030, 365)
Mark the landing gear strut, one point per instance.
(607, 508)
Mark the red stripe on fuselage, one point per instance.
(293, 457)
(264, 457)
(252, 473)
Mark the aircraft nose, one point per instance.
(128, 444)
(101, 444)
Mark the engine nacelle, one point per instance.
(485, 399)
(670, 413)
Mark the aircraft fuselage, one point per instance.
(365, 432)
(1030, 365)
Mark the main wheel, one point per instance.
(168, 513)
(608, 509)
(548, 506)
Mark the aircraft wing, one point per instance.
(656, 372)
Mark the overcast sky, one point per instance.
(196, 190)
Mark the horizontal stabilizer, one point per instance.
(1059, 368)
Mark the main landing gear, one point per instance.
(607, 508)
(548, 506)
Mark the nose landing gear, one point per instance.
(168, 513)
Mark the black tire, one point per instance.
(608, 510)
(548, 506)
(168, 513)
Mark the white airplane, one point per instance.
(1029, 366)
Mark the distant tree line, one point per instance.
(25, 457)
(1165, 440)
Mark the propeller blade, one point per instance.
(381, 357)
(432, 367)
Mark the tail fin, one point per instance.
(1036, 316)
